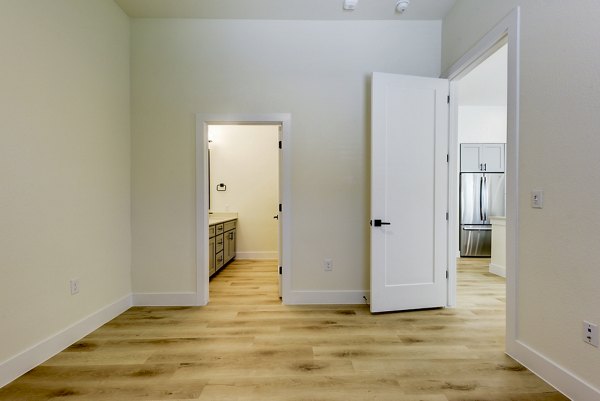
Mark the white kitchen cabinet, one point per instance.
(498, 259)
(482, 157)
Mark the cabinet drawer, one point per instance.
(211, 231)
(230, 225)
(219, 229)
(219, 243)
(220, 260)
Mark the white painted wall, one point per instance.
(558, 278)
(319, 72)
(64, 165)
(246, 159)
(482, 101)
(481, 124)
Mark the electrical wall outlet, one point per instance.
(328, 265)
(590, 333)
(74, 284)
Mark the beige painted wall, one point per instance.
(559, 277)
(246, 159)
(317, 71)
(64, 165)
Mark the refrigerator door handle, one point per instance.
(478, 228)
(481, 198)
(487, 199)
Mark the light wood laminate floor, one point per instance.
(245, 345)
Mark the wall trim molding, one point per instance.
(552, 373)
(498, 270)
(37, 354)
(350, 297)
(165, 299)
(265, 255)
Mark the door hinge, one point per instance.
(447, 216)
(280, 208)
(446, 274)
(280, 145)
(281, 269)
(447, 158)
(448, 99)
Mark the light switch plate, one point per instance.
(537, 199)
(590, 333)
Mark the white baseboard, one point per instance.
(21, 363)
(498, 270)
(165, 299)
(326, 297)
(557, 376)
(257, 255)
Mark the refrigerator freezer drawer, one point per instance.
(476, 241)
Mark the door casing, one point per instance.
(202, 123)
(507, 31)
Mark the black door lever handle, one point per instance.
(379, 223)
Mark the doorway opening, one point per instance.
(481, 226)
(242, 195)
(243, 201)
(505, 33)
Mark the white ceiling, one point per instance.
(486, 84)
(285, 9)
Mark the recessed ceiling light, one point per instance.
(350, 4)
(402, 5)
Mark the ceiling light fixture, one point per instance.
(402, 5)
(350, 4)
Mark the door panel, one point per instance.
(409, 189)
(279, 214)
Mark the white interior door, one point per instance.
(279, 214)
(409, 192)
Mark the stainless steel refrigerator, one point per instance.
(481, 197)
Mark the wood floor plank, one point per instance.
(246, 345)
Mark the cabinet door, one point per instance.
(211, 257)
(470, 157)
(229, 250)
(492, 157)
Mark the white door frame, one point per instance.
(285, 172)
(506, 31)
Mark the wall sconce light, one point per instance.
(402, 5)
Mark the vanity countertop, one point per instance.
(221, 217)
